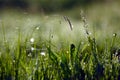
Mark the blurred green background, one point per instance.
(103, 17)
(47, 5)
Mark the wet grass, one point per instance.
(57, 48)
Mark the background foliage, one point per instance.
(46, 5)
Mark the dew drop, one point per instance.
(42, 53)
(37, 28)
(32, 40)
(114, 35)
(32, 48)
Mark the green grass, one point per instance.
(34, 47)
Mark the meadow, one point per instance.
(84, 45)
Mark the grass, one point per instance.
(57, 48)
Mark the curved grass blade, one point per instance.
(69, 22)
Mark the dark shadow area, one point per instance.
(46, 5)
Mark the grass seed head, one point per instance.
(69, 22)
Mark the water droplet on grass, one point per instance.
(32, 40)
(30, 55)
(84, 63)
(37, 28)
(114, 35)
(13, 61)
(32, 49)
(42, 53)
(67, 52)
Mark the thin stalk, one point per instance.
(3, 30)
(112, 44)
(18, 56)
